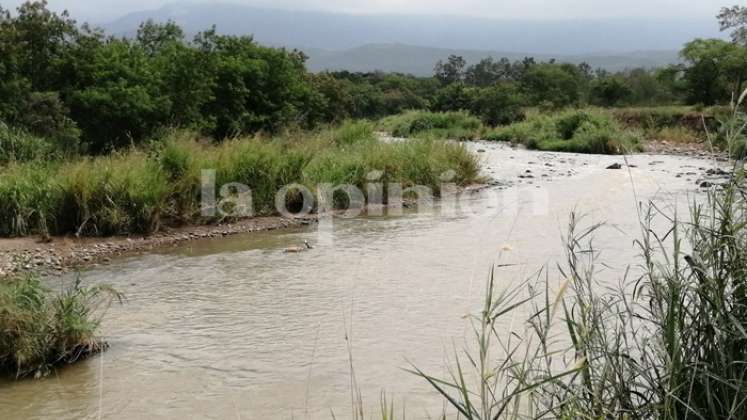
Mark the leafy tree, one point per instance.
(715, 69)
(451, 71)
(256, 88)
(123, 103)
(334, 101)
(154, 37)
(37, 40)
(499, 104)
(553, 85)
(735, 19)
(453, 97)
(609, 91)
(650, 87)
(488, 72)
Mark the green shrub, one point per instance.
(445, 125)
(498, 105)
(570, 131)
(351, 132)
(40, 329)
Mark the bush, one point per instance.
(40, 329)
(570, 131)
(351, 132)
(498, 105)
(458, 125)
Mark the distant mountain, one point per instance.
(367, 42)
(421, 60)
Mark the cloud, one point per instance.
(532, 9)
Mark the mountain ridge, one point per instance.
(413, 43)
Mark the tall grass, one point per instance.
(19, 146)
(40, 329)
(139, 190)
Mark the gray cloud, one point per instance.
(99, 10)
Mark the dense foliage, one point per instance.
(84, 91)
(72, 83)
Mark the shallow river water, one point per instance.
(237, 329)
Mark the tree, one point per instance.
(734, 18)
(499, 104)
(609, 91)
(649, 87)
(37, 39)
(451, 71)
(553, 85)
(154, 37)
(453, 97)
(488, 72)
(123, 102)
(255, 87)
(715, 69)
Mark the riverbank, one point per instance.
(63, 254)
(504, 166)
(238, 307)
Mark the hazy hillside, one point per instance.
(420, 60)
(332, 31)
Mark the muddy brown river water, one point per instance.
(237, 329)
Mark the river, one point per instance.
(236, 328)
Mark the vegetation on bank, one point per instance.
(40, 329)
(571, 131)
(580, 130)
(667, 341)
(140, 189)
(453, 125)
(83, 91)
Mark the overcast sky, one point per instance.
(98, 10)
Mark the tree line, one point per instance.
(92, 92)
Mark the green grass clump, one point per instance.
(352, 132)
(40, 329)
(441, 125)
(115, 194)
(574, 131)
(139, 190)
(19, 146)
(30, 197)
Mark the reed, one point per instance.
(41, 329)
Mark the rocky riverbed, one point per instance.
(63, 254)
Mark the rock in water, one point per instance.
(615, 166)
